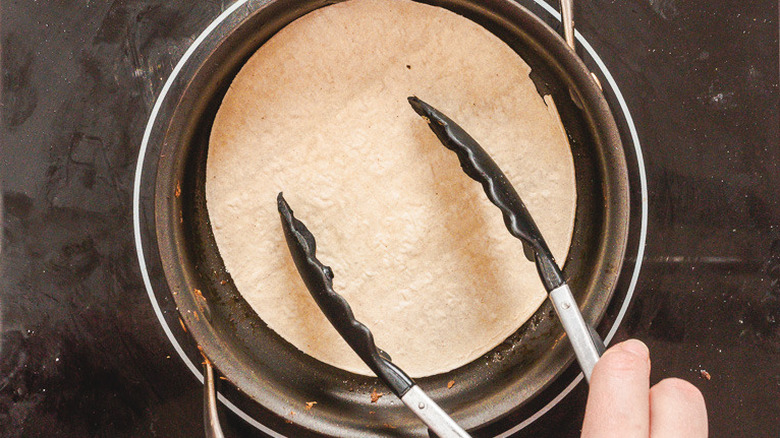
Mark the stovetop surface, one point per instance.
(83, 354)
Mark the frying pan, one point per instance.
(277, 377)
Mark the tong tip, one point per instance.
(296, 230)
(426, 111)
(418, 105)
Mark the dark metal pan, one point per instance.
(493, 391)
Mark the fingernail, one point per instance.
(635, 347)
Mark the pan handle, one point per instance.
(210, 417)
(567, 18)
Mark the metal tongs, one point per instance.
(319, 281)
(477, 164)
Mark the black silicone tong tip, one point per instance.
(478, 165)
(318, 279)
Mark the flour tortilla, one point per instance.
(320, 113)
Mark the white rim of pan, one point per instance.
(153, 298)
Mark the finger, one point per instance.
(618, 401)
(677, 410)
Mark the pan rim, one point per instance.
(139, 173)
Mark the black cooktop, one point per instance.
(694, 85)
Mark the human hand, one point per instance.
(622, 404)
